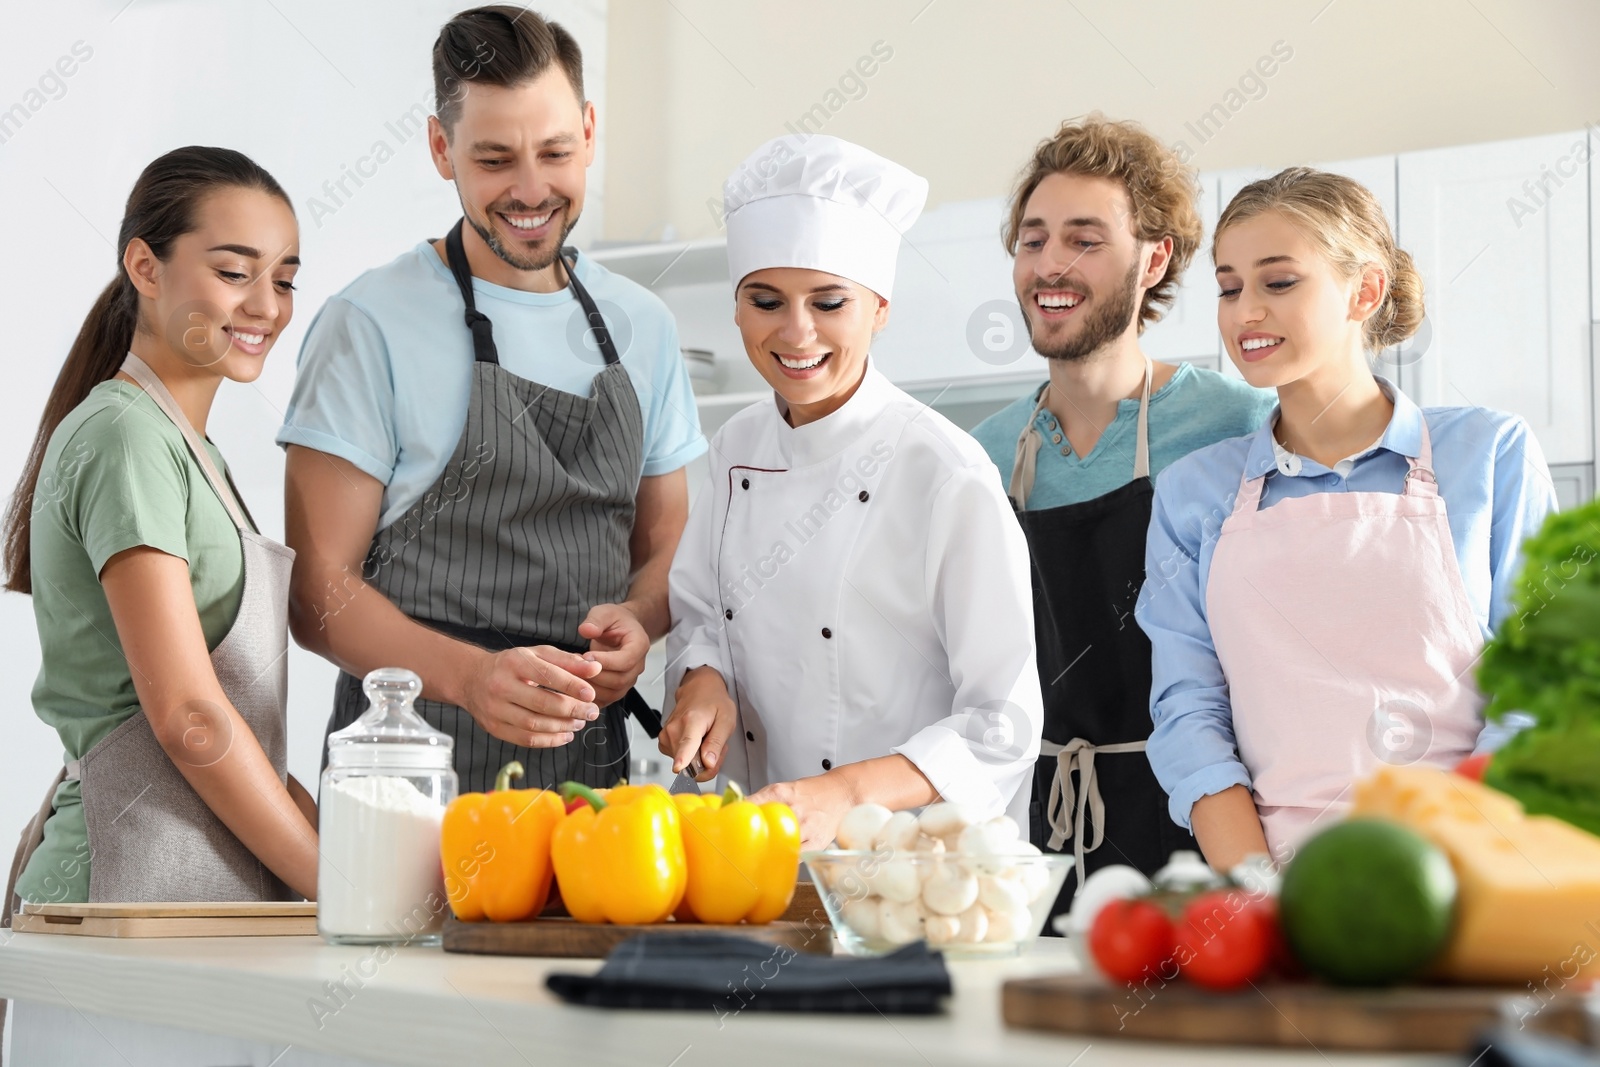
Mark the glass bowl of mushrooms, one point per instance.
(968, 887)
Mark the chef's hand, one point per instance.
(819, 802)
(619, 643)
(703, 718)
(537, 697)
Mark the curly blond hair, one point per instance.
(1347, 224)
(1162, 191)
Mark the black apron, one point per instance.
(1094, 669)
(526, 529)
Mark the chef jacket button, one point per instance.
(744, 483)
(749, 735)
(728, 614)
(862, 496)
(826, 632)
(827, 764)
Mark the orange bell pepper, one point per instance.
(496, 850)
(619, 858)
(744, 858)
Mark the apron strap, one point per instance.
(483, 346)
(140, 372)
(1029, 441)
(1066, 808)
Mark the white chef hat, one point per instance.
(823, 204)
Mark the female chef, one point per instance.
(161, 611)
(1318, 591)
(852, 617)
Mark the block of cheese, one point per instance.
(1528, 908)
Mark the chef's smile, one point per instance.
(800, 366)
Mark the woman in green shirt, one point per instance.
(161, 610)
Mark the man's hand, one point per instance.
(819, 802)
(703, 718)
(538, 697)
(619, 644)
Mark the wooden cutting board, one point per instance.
(170, 919)
(1298, 1015)
(567, 938)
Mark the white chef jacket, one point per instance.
(862, 586)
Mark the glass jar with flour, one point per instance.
(389, 777)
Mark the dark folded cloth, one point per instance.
(1509, 1048)
(728, 975)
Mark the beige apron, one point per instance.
(151, 837)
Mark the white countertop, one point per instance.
(427, 1007)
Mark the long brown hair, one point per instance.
(162, 208)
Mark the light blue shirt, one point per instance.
(1497, 491)
(385, 373)
(1195, 408)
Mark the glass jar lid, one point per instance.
(390, 733)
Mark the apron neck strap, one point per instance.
(140, 372)
(1029, 441)
(483, 346)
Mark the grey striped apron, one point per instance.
(526, 529)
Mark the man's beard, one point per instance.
(1103, 323)
(540, 260)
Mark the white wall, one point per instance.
(973, 85)
(306, 89)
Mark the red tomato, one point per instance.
(1474, 766)
(1224, 940)
(1131, 939)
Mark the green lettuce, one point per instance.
(1545, 661)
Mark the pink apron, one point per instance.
(1347, 640)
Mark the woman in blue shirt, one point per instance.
(1317, 592)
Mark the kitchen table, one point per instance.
(297, 1002)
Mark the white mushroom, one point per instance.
(1001, 894)
(941, 929)
(862, 917)
(860, 825)
(896, 881)
(897, 834)
(899, 924)
(943, 819)
(1008, 924)
(997, 837)
(951, 890)
(974, 925)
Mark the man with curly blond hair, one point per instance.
(1101, 226)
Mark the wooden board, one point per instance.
(171, 919)
(1291, 1015)
(566, 938)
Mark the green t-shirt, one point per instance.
(116, 475)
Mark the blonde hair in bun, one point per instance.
(1346, 222)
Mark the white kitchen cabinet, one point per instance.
(1188, 331)
(1507, 284)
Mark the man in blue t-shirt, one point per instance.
(487, 440)
(1101, 228)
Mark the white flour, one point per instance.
(379, 874)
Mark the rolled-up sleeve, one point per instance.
(1523, 497)
(978, 587)
(1192, 747)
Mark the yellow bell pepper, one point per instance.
(619, 858)
(744, 858)
(496, 850)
